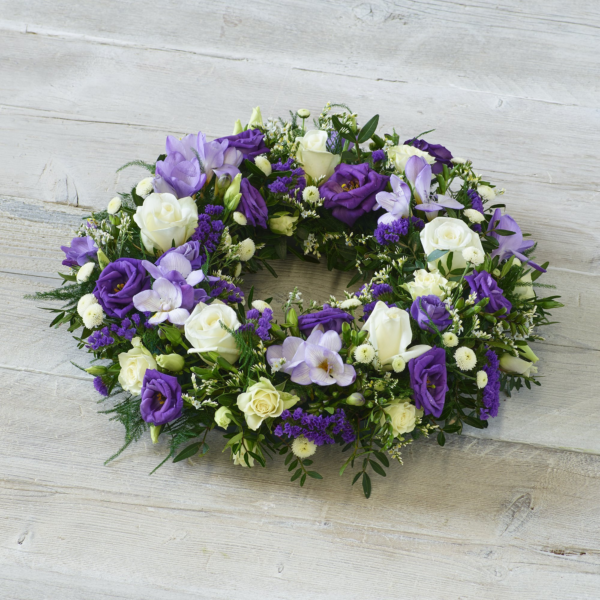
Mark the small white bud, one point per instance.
(145, 187)
(114, 206)
(84, 273)
(240, 218)
(262, 162)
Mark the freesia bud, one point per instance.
(238, 127)
(103, 260)
(255, 118)
(512, 364)
(292, 317)
(231, 198)
(222, 185)
(527, 352)
(355, 399)
(171, 362)
(96, 370)
(155, 432)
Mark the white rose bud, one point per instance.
(404, 416)
(263, 401)
(525, 292)
(84, 272)
(238, 270)
(262, 162)
(84, 302)
(171, 362)
(145, 187)
(486, 192)
(473, 215)
(283, 225)
(93, 316)
(134, 365)
(114, 206)
(317, 162)
(512, 364)
(222, 417)
(240, 218)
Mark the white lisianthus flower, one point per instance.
(450, 340)
(163, 219)
(473, 256)
(465, 358)
(84, 302)
(446, 233)
(203, 330)
(512, 364)
(262, 162)
(84, 272)
(247, 249)
(134, 365)
(473, 215)
(486, 192)
(93, 316)
(223, 417)
(239, 457)
(482, 379)
(260, 305)
(303, 448)
(114, 206)
(365, 353)
(428, 284)
(350, 303)
(145, 187)
(283, 225)
(311, 194)
(525, 292)
(398, 364)
(400, 155)
(390, 334)
(403, 414)
(317, 162)
(240, 218)
(263, 401)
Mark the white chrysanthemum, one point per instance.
(145, 187)
(93, 316)
(84, 302)
(303, 113)
(398, 364)
(238, 270)
(482, 379)
(260, 305)
(365, 353)
(262, 162)
(455, 160)
(465, 358)
(84, 273)
(473, 255)
(114, 206)
(450, 340)
(311, 194)
(486, 192)
(247, 249)
(350, 303)
(303, 448)
(240, 218)
(473, 215)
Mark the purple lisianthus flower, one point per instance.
(485, 286)
(118, 283)
(428, 310)
(82, 250)
(250, 143)
(330, 318)
(429, 381)
(442, 155)
(161, 398)
(351, 191)
(252, 205)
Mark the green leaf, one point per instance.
(303, 480)
(366, 483)
(382, 458)
(314, 475)
(296, 475)
(356, 477)
(253, 168)
(503, 232)
(441, 438)
(368, 130)
(436, 254)
(377, 468)
(190, 451)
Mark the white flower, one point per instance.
(114, 206)
(240, 218)
(283, 225)
(84, 302)
(473, 215)
(222, 417)
(84, 273)
(262, 162)
(263, 401)
(427, 284)
(400, 155)
(525, 292)
(317, 162)
(512, 364)
(145, 187)
(93, 316)
(390, 334)
(404, 416)
(482, 379)
(303, 113)
(203, 330)
(260, 305)
(450, 340)
(163, 219)
(486, 192)
(171, 362)
(445, 233)
(134, 365)
(239, 457)
(455, 160)
(465, 358)
(398, 364)
(473, 256)
(237, 270)
(303, 448)
(365, 353)
(247, 249)
(226, 240)
(311, 194)
(350, 303)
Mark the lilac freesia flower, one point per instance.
(396, 202)
(428, 311)
(250, 143)
(428, 379)
(82, 250)
(190, 250)
(164, 300)
(161, 398)
(442, 155)
(485, 286)
(330, 318)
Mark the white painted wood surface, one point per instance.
(87, 86)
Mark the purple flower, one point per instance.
(428, 379)
(207, 234)
(82, 250)
(330, 318)
(319, 429)
(351, 191)
(165, 300)
(252, 205)
(428, 310)
(190, 250)
(491, 392)
(118, 283)
(389, 233)
(485, 286)
(442, 155)
(377, 156)
(476, 201)
(100, 386)
(396, 202)
(100, 339)
(161, 398)
(250, 143)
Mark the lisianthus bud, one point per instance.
(240, 218)
(171, 362)
(303, 113)
(283, 225)
(231, 198)
(255, 118)
(355, 399)
(155, 432)
(527, 352)
(233, 203)
(103, 260)
(222, 185)
(84, 273)
(223, 417)
(238, 127)
(292, 317)
(96, 370)
(262, 162)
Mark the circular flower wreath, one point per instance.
(438, 329)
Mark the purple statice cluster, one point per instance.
(389, 233)
(260, 324)
(100, 339)
(378, 156)
(476, 204)
(491, 392)
(319, 429)
(221, 286)
(417, 223)
(128, 327)
(100, 386)
(377, 289)
(293, 184)
(209, 231)
(214, 210)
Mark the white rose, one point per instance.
(445, 233)
(163, 219)
(486, 192)
(223, 417)
(314, 157)
(428, 284)
(114, 206)
(134, 365)
(262, 401)
(473, 215)
(283, 225)
(85, 302)
(400, 155)
(390, 334)
(512, 364)
(404, 416)
(203, 330)
(525, 292)
(239, 458)
(84, 273)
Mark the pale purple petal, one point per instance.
(158, 317)
(301, 374)
(147, 301)
(315, 355)
(173, 261)
(321, 377)
(423, 183)
(274, 353)
(413, 167)
(195, 277)
(448, 202)
(347, 376)
(168, 292)
(386, 200)
(332, 341)
(152, 269)
(178, 316)
(429, 207)
(316, 335)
